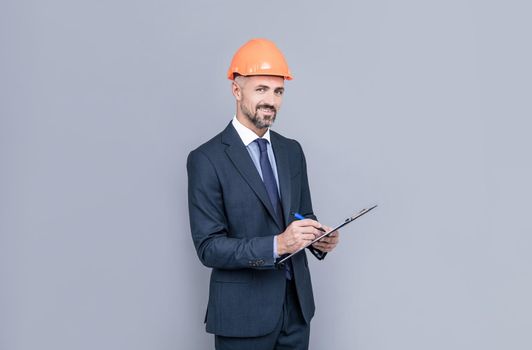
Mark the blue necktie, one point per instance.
(271, 187)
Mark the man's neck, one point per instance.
(248, 124)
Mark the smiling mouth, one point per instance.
(267, 110)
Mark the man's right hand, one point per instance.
(297, 235)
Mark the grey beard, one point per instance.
(259, 123)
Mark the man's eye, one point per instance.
(279, 93)
(261, 89)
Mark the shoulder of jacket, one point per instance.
(209, 147)
(285, 140)
(291, 144)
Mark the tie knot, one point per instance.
(262, 144)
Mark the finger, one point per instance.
(322, 247)
(324, 241)
(317, 246)
(307, 236)
(327, 247)
(308, 222)
(312, 230)
(326, 228)
(304, 222)
(334, 234)
(331, 239)
(326, 244)
(321, 242)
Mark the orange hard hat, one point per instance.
(259, 57)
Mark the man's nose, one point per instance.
(271, 99)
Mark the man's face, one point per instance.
(260, 98)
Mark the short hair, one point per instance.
(240, 80)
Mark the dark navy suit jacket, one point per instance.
(233, 224)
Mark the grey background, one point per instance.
(420, 106)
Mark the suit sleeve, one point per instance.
(306, 202)
(209, 225)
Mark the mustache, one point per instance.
(267, 106)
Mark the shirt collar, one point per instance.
(247, 135)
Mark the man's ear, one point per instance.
(236, 90)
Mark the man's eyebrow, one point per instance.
(267, 87)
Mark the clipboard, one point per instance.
(344, 223)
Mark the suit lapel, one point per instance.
(283, 172)
(237, 152)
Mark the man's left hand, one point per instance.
(327, 244)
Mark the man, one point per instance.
(245, 185)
